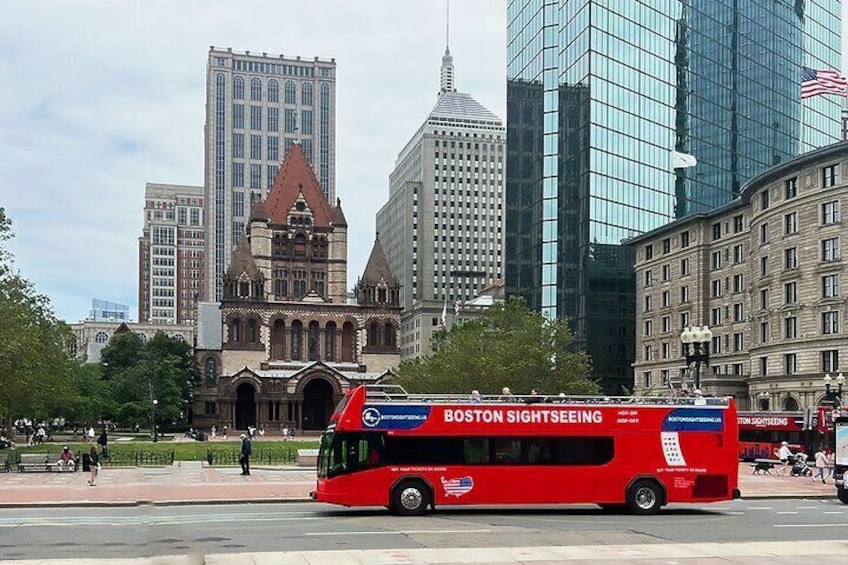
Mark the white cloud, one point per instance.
(101, 97)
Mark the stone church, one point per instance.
(286, 341)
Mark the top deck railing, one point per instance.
(395, 394)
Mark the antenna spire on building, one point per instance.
(447, 74)
(447, 29)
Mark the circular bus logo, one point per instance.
(371, 417)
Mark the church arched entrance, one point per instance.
(245, 406)
(317, 404)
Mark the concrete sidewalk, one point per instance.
(185, 483)
(750, 553)
(197, 483)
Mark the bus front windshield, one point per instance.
(324, 453)
(343, 453)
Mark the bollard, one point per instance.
(209, 456)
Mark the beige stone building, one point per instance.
(764, 273)
(89, 337)
(286, 343)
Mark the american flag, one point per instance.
(815, 83)
(457, 487)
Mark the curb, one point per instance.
(231, 501)
(816, 496)
(147, 502)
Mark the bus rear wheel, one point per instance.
(410, 498)
(842, 493)
(644, 497)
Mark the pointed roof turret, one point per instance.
(377, 286)
(296, 178)
(243, 262)
(377, 268)
(338, 216)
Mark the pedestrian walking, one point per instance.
(225, 432)
(103, 442)
(246, 452)
(94, 462)
(821, 466)
(829, 458)
(785, 456)
(214, 431)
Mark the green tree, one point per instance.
(509, 345)
(163, 369)
(90, 400)
(34, 366)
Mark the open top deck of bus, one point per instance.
(396, 394)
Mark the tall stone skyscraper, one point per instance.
(257, 106)
(609, 104)
(442, 227)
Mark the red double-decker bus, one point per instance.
(406, 452)
(761, 433)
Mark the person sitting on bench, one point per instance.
(66, 460)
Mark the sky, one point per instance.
(101, 97)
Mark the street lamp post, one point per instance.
(696, 348)
(153, 418)
(834, 397)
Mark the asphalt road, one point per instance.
(48, 533)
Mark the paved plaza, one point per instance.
(195, 482)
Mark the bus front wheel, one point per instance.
(644, 497)
(842, 493)
(410, 498)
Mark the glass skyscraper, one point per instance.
(602, 95)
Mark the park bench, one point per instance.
(307, 457)
(38, 462)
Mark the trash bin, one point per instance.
(86, 462)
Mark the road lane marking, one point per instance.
(833, 512)
(810, 525)
(788, 512)
(761, 508)
(806, 507)
(399, 532)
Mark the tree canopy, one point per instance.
(509, 345)
(34, 367)
(162, 369)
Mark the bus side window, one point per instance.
(507, 450)
(476, 451)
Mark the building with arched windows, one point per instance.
(764, 273)
(88, 337)
(286, 342)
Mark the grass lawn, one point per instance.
(186, 450)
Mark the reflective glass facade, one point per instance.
(600, 93)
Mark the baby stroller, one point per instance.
(799, 466)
